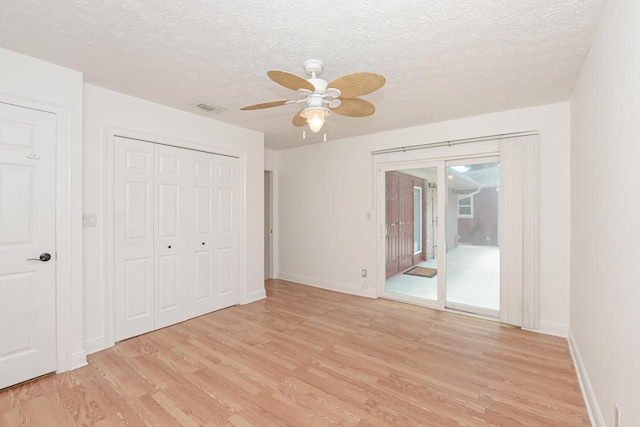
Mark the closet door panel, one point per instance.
(202, 276)
(171, 199)
(136, 289)
(202, 247)
(133, 237)
(225, 277)
(226, 232)
(168, 283)
(169, 211)
(201, 235)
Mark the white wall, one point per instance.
(270, 160)
(28, 81)
(605, 151)
(105, 110)
(326, 190)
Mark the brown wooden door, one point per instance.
(391, 198)
(405, 231)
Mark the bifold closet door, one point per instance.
(133, 227)
(214, 233)
(151, 198)
(175, 235)
(171, 202)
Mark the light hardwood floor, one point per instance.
(309, 357)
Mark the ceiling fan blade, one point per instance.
(357, 84)
(265, 105)
(355, 107)
(298, 120)
(290, 81)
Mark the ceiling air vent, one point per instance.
(209, 108)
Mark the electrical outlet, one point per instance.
(363, 273)
(616, 423)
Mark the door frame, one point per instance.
(423, 157)
(268, 211)
(66, 242)
(112, 131)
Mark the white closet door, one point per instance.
(171, 204)
(226, 238)
(175, 235)
(201, 257)
(133, 237)
(213, 234)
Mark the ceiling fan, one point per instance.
(321, 98)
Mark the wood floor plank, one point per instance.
(311, 357)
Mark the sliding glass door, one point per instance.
(441, 235)
(411, 234)
(472, 261)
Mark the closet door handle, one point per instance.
(202, 243)
(169, 246)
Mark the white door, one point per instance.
(226, 214)
(171, 204)
(133, 228)
(175, 235)
(213, 231)
(201, 230)
(27, 244)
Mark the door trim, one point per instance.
(67, 247)
(112, 131)
(268, 185)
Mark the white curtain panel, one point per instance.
(519, 201)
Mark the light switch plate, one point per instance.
(89, 220)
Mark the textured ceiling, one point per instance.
(443, 59)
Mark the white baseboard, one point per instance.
(95, 344)
(255, 296)
(550, 328)
(585, 385)
(78, 359)
(331, 286)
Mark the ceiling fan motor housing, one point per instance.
(313, 66)
(315, 100)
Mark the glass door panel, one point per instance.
(472, 240)
(411, 234)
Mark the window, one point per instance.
(465, 207)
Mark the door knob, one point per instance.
(43, 257)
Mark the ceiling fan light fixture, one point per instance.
(315, 117)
